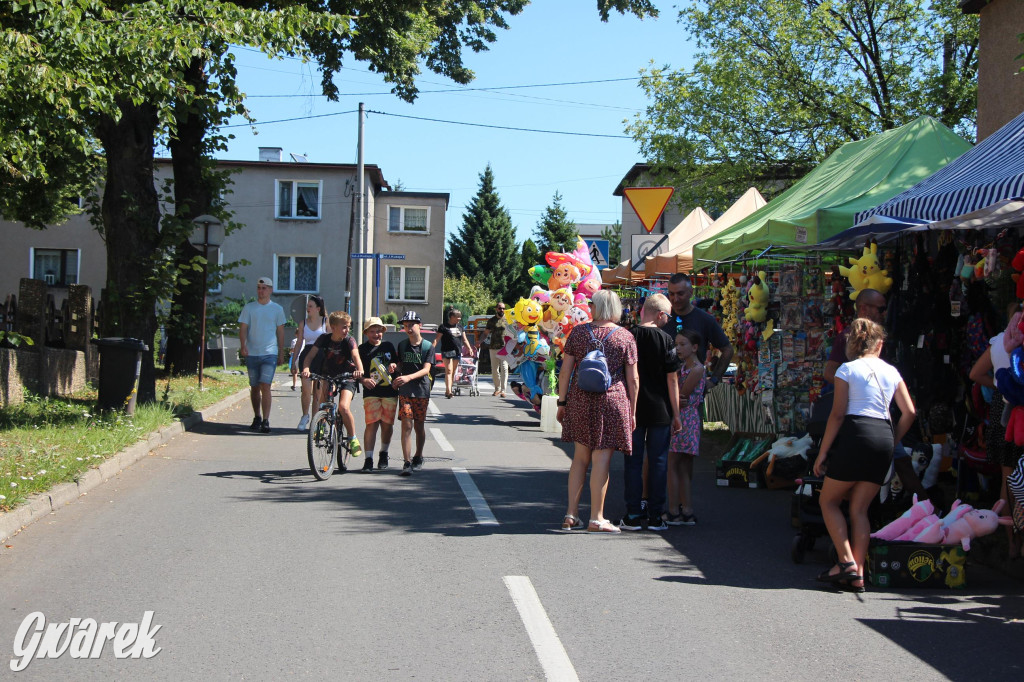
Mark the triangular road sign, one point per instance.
(648, 203)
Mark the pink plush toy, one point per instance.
(918, 511)
(976, 523)
(918, 528)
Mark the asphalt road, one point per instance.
(254, 570)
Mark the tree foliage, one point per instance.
(779, 84)
(530, 255)
(485, 245)
(555, 231)
(469, 294)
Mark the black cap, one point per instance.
(411, 316)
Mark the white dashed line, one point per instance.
(553, 659)
(432, 408)
(441, 440)
(484, 515)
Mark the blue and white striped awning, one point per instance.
(990, 173)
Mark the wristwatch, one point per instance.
(561, 403)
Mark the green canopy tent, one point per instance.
(856, 177)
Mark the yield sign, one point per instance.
(648, 203)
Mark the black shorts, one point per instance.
(450, 354)
(862, 450)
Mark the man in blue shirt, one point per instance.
(261, 334)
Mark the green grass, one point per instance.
(47, 441)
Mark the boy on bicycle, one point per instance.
(380, 399)
(339, 356)
(413, 384)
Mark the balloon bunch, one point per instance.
(538, 325)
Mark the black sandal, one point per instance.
(843, 575)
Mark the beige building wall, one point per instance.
(77, 235)
(423, 251)
(1000, 81)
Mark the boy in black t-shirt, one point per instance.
(657, 417)
(339, 357)
(380, 399)
(413, 384)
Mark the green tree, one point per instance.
(555, 232)
(469, 294)
(613, 233)
(530, 256)
(485, 248)
(779, 84)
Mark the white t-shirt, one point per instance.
(869, 395)
(263, 321)
(1000, 358)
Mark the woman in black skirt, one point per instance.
(453, 343)
(856, 450)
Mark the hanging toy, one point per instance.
(866, 273)
(757, 309)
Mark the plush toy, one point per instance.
(970, 524)
(866, 273)
(757, 309)
(918, 511)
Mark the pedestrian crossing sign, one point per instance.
(598, 249)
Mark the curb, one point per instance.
(42, 504)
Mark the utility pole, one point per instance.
(360, 225)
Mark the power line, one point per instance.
(290, 120)
(487, 125)
(461, 89)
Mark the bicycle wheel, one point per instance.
(320, 445)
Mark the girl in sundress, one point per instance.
(685, 443)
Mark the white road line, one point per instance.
(553, 659)
(432, 408)
(441, 440)
(484, 515)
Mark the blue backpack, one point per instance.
(592, 374)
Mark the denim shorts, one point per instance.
(261, 368)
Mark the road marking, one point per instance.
(432, 408)
(553, 659)
(441, 440)
(484, 515)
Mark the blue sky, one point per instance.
(551, 42)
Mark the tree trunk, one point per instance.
(131, 229)
(192, 198)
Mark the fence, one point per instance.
(61, 360)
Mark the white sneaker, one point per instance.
(303, 423)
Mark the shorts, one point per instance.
(377, 409)
(261, 368)
(450, 354)
(413, 408)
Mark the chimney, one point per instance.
(270, 153)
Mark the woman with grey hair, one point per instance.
(598, 423)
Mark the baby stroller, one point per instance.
(465, 375)
(805, 509)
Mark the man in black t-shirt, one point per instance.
(657, 417)
(380, 399)
(684, 315)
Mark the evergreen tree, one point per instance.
(555, 232)
(531, 256)
(485, 246)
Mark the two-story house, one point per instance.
(297, 219)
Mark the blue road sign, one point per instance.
(363, 255)
(598, 252)
(392, 256)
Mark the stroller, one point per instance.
(805, 509)
(466, 375)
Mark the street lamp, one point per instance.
(202, 238)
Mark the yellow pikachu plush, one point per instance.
(866, 273)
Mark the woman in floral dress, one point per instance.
(598, 423)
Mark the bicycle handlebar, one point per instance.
(336, 379)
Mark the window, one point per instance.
(408, 219)
(297, 274)
(56, 267)
(297, 199)
(406, 283)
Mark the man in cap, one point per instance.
(380, 399)
(413, 384)
(261, 335)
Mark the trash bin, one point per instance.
(120, 362)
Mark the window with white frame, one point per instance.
(408, 219)
(299, 274)
(56, 267)
(297, 199)
(407, 283)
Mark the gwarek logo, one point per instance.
(82, 638)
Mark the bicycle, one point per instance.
(327, 441)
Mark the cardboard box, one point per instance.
(912, 564)
(735, 474)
